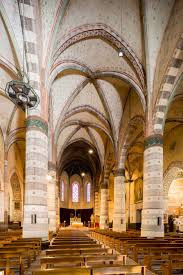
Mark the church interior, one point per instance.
(91, 137)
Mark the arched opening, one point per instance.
(75, 192)
(79, 171)
(175, 197)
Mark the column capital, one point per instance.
(154, 140)
(104, 185)
(37, 123)
(119, 172)
(51, 166)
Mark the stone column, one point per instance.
(57, 203)
(96, 204)
(104, 215)
(4, 199)
(35, 222)
(119, 217)
(153, 199)
(52, 196)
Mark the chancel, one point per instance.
(91, 137)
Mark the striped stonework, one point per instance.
(4, 199)
(35, 203)
(168, 86)
(52, 197)
(35, 222)
(97, 206)
(57, 204)
(153, 203)
(119, 219)
(31, 48)
(104, 212)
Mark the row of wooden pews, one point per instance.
(17, 253)
(160, 255)
(74, 252)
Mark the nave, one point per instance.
(91, 252)
(91, 135)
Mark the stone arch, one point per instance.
(64, 65)
(12, 35)
(107, 33)
(92, 125)
(167, 89)
(126, 142)
(174, 171)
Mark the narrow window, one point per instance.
(62, 190)
(88, 192)
(75, 192)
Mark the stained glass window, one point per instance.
(75, 192)
(88, 191)
(62, 191)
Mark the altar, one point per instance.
(76, 222)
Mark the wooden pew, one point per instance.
(12, 260)
(73, 246)
(98, 251)
(31, 249)
(174, 262)
(100, 269)
(25, 253)
(139, 248)
(48, 262)
(55, 241)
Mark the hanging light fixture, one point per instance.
(90, 151)
(121, 52)
(20, 91)
(22, 94)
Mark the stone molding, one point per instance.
(51, 166)
(104, 185)
(119, 172)
(167, 87)
(37, 123)
(154, 140)
(104, 31)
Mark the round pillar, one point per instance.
(119, 217)
(153, 199)
(35, 223)
(52, 196)
(104, 215)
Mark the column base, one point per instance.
(119, 222)
(38, 226)
(119, 228)
(152, 223)
(104, 224)
(3, 227)
(35, 231)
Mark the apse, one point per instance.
(79, 172)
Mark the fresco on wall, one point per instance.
(138, 187)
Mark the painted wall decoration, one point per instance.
(138, 189)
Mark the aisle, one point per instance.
(72, 251)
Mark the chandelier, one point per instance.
(21, 93)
